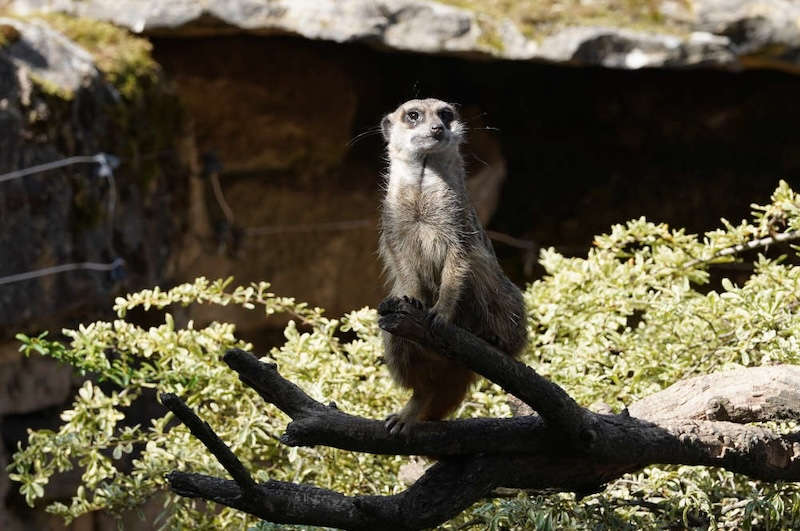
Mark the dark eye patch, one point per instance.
(447, 116)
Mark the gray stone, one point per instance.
(625, 49)
(50, 57)
(55, 103)
(721, 33)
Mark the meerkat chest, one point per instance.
(423, 225)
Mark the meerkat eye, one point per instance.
(413, 115)
(447, 116)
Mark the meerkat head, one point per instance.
(421, 127)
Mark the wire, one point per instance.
(91, 266)
(311, 227)
(47, 166)
(220, 197)
(106, 163)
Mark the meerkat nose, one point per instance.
(437, 131)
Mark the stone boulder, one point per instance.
(56, 103)
(729, 34)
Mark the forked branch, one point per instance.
(566, 447)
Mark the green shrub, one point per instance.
(634, 316)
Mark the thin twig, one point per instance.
(511, 240)
(211, 440)
(311, 227)
(747, 246)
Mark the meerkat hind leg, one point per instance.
(432, 402)
(449, 392)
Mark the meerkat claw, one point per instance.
(396, 425)
(387, 305)
(416, 303)
(435, 319)
(393, 423)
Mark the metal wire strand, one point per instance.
(107, 164)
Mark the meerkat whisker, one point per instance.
(363, 134)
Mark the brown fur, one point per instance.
(435, 250)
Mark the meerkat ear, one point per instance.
(386, 127)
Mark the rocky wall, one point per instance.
(576, 150)
(59, 100)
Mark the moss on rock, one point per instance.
(122, 57)
(539, 18)
(8, 35)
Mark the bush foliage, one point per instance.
(637, 314)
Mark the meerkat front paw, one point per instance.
(439, 315)
(446, 310)
(416, 303)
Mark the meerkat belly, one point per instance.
(425, 251)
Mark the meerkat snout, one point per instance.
(437, 131)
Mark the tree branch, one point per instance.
(555, 406)
(210, 440)
(759, 243)
(316, 424)
(430, 501)
(683, 424)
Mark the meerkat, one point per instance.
(434, 250)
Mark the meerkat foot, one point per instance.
(402, 423)
(396, 424)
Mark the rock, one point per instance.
(630, 50)
(250, 116)
(401, 24)
(42, 54)
(56, 103)
(762, 33)
(519, 408)
(723, 33)
(411, 471)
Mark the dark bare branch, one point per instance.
(276, 501)
(449, 487)
(675, 426)
(647, 439)
(444, 491)
(264, 378)
(554, 405)
(457, 437)
(210, 440)
(317, 424)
